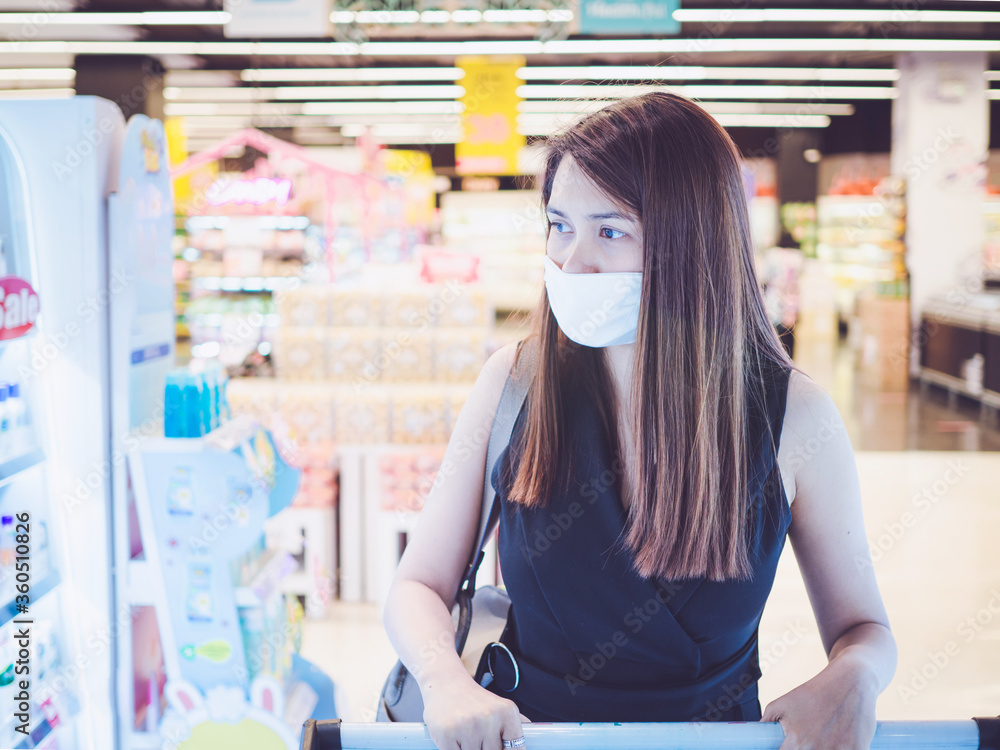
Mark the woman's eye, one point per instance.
(557, 225)
(615, 234)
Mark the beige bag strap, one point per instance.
(512, 397)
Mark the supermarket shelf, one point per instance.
(202, 222)
(949, 382)
(860, 254)
(14, 466)
(990, 398)
(244, 283)
(38, 589)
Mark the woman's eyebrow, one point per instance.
(593, 217)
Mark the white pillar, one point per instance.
(940, 137)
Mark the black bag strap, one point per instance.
(512, 397)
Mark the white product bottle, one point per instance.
(18, 419)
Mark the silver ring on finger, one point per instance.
(519, 742)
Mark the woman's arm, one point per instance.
(837, 707)
(417, 613)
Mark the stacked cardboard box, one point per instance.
(883, 361)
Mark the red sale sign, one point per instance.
(18, 307)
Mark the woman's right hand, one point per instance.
(466, 716)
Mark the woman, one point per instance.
(665, 448)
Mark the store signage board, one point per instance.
(201, 505)
(18, 307)
(490, 141)
(256, 192)
(629, 17)
(141, 266)
(257, 19)
(206, 511)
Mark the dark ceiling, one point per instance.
(867, 129)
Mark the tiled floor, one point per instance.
(939, 572)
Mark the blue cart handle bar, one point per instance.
(983, 734)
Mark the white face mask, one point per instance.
(594, 309)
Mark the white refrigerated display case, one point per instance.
(58, 165)
(87, 334)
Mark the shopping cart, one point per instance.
(913, 735)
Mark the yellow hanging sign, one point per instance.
(490, 141)
(176, 153)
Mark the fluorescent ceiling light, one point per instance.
(525, 47)
(993, 93)
(37, 93)
(147, 18)
(365, 92)
(709, 92)
(214, 93)
(773, 121)
(41, 85)
(778, 108)
(244, 109)
(529, 125)
(507, 15)
(37, 74)
(556, 106)
(439, 49)
(435, 16)
(195, 17)
(992, 75)
(561, 105)
(352, 74)
(209, 115)
(12, 61)
(293, 93)
(178, 48)
(185, 78)
(693, 46)
(228, 124)
(338, 120)
(831, 15)
(382, 108)
(514, 15)
(700, 72)
(399, 130)
(387, 16)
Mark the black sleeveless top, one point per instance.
(592, 640)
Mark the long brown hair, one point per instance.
(703, 343)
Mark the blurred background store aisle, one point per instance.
(923, 418)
